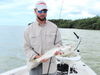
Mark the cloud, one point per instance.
(71, 9)
(9, 5)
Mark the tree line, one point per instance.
(87, 23)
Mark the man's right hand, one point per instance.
(37, 56)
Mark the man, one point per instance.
(41, 36)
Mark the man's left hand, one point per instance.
(58, 53)
(44, 60)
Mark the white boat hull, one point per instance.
(18, 71)
(80, 67)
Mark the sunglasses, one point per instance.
(42, 11)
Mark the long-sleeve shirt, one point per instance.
(39, 39)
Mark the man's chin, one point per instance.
(42, 18)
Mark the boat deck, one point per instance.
(18, 71)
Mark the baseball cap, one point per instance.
(40, 5)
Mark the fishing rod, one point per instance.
(61, 9)
(56, 34)
(78, 41)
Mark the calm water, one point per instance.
(11, 46)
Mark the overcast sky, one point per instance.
(20, 12)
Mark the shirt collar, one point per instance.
(40, 24)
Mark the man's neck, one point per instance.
(41, 22)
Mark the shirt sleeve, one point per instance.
(58, 40)
(30, 54)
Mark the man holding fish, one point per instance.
(41, 36)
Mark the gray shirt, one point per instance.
(41, 38)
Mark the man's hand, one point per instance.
(58, 53)
(37, 56)
(44, 60)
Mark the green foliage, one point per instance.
(87, 23)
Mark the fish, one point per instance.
(67, 49)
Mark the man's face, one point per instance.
(41, 13)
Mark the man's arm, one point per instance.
(57, 40)
(30, 54)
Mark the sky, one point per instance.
(21, 12)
